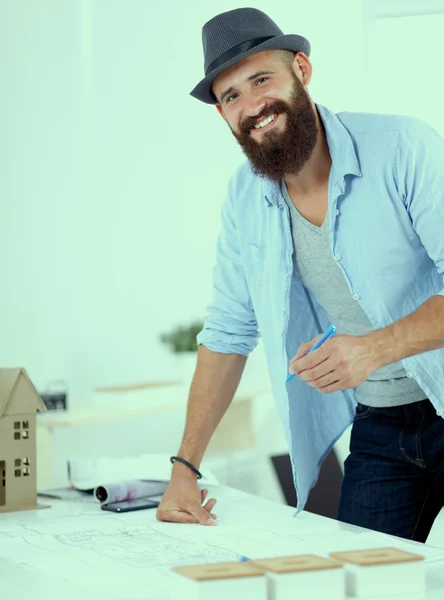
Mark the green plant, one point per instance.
(182, 338)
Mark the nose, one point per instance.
(253, 105)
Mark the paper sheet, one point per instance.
(67, 493)
(126, 560)
(129, 556)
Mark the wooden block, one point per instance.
(382, 572)
(376, 556)
(305, 576)
(219, 581)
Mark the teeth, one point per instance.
(265, 122)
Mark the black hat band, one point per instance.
(235, 51)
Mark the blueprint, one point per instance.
(130, 555)
(111, 557)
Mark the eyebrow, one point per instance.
(250, 78)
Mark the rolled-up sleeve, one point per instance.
(420, 167)
(230, 325)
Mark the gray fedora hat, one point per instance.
(234, 35)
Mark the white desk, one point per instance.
(76, 550)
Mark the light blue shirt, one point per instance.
(386, 219)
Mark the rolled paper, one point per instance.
(128, 490)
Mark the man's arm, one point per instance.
(229, 335)
(346, 361)
(419, 332)
(214, 385)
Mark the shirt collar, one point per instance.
(342, 152)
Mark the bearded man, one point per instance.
(334, 219)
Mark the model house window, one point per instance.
(24, 435)
(17, 435)
(403, 52)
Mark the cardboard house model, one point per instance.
(19, 403)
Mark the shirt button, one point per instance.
(409, 374)
(356, 296)
(440, 413)
(337, 212)
(337, 257)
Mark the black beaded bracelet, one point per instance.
(189, 465)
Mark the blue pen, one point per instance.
(328, 334)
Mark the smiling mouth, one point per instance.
(265, 124)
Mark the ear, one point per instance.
(302, 67)
(220, 110)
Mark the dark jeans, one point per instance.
(394, 475)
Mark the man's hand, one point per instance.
(341, 363)
(182, 503)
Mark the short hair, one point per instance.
(286, 56)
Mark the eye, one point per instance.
(262, 79)
(231, 98)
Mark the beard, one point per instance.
(285, 152)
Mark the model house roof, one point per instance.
(18, 396)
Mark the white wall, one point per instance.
(402, 66)
(112, 176)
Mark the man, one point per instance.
(334, 219)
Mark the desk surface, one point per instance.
(76, 548)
